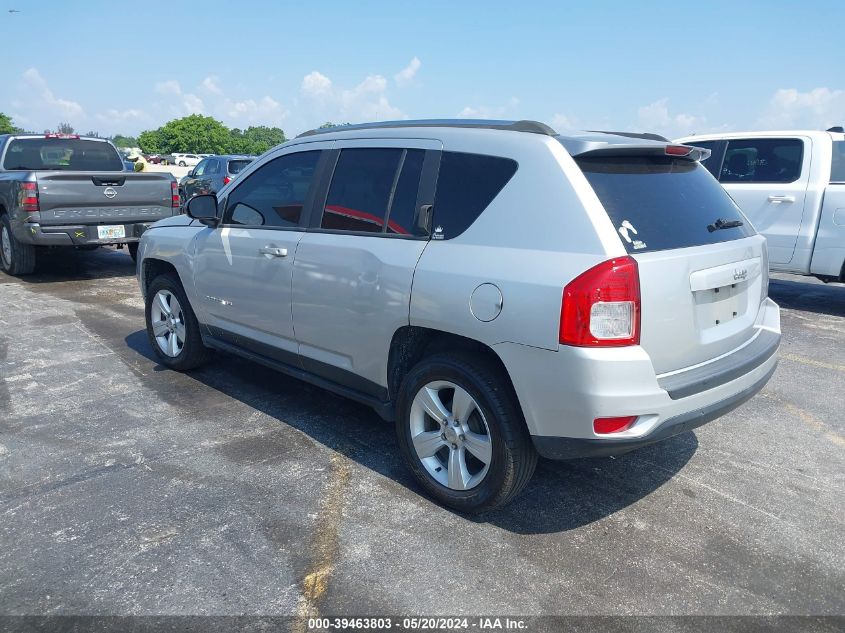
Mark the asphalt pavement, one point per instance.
(129, 489)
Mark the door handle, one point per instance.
(273, 251)
(780, 199)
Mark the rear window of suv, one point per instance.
(660, 203)
(62, 154)
(237, 166)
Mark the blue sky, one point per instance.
(670, 67)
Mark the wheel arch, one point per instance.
(411, 344)
(153, 267)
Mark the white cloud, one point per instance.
(365, 102)
(169, 87)
(315, 84)
(192, 104)
(561, 123)
(817, 109)
(407, 74)
(48, 103)
(117, 118)
(490, 112)
(264, 111)
(211, 85)
(656, 117)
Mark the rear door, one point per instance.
(768, 178)
(193, 182)
(243, 267)
(354, 268)
(702, 266)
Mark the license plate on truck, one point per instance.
(111, 232)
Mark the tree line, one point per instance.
(196, 134)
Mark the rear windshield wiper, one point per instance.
(722, 223)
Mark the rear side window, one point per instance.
(466, 185)
(763, 160)
(361, 189)
(237, 166)
(659, 203)
(837, 166)
(63, 154)
(275, 194)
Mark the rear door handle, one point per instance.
(780, 199)
(273, 251)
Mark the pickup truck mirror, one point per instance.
(204, 209)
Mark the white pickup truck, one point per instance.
(791, 185)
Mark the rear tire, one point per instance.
(15, 258)
(472, 464)
(133, 251)
(172, 327)
(181, 163)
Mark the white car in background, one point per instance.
(186, 160)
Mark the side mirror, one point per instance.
(204, 209)
(191, 173)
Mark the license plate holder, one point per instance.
(111, 232)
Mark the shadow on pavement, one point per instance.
(70, 264)
(809, 296)
(561, 496)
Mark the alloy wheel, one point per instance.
(168, 323)
(450, 435)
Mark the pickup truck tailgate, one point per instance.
(104, 197)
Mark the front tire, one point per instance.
(182, 163)
(172, 327)
(16, 258)
(462, 433)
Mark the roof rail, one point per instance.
(837, 128)
(647, 135)
(533, 127)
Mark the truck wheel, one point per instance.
(462, 433)
(15, 258)
(133, 251)
(172, 327)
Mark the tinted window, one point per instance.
(275, 194)
(360, 191)
(213, 166)
(61, 154)
(237, 166)
(763, 160)
(404, 206)
(658, 203)
(466, 185)
(837, 166)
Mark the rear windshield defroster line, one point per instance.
(661, 203)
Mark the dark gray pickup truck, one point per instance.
(65, 190)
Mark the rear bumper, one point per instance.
(572, 448)
(78, 234)
(561, 392)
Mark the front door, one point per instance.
(768, 178)
(243, 267)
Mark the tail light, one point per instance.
(678, 150)
(226, 180)
(57, 135)
(601, 307)
(28, 197)
(175, 202)
(602, 426)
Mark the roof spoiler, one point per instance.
(648, 136)
(683, 152)
(838, 129)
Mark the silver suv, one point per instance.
(497, 289)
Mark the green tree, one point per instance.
(124, 141)
(255, 140)
(6, 125)
(196, 134)
(330, 124)
(65, 128)
(151, 142)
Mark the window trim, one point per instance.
(802, 140)
(307, 205)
